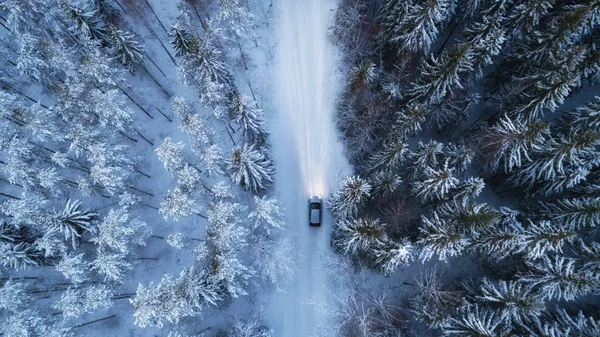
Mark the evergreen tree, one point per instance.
(72, 222)
(112, 266)
(119, 230)
(86, 21)
(410, 119)
(266, 213)
(559, 278)
(512, 301)
(178, 204)
(74, 268)
(250, 118)
(499, 242)
(359, 235)
(392, 255)
(584, 118)
(171, 154)
(574, 213)
(14, 296)
(126, 48)
(250, 168)
(183, 41)
(249, 328)
(76, 302)
(439, 237)
(476, 322)
(390, 156)
(427, 156)
(436, 184)
(345, 201)
(510, 141)
(383, 184)
(440, 77)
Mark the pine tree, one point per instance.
(499, 242)
(235, 18)
(584, 118)
(410, 120)
(559, 278)
(525, 17)
(468, 189)
(266, 213)
(439, 237)
(471, 217)
(112, 266)
(487, 38)
(459, 156)
(440, 77)
(383, 184)
(362, 76)
(476, 322)
(510, 142)
(76, 302)
(392, 255)
(178, 204)
(87, 22)
(126, 48)
(427, 156)
(436, 184)
(249, 328)
(250, 118)
(345, 201)
(120, 229)
(419, 24)
(250, 168)
(183, 41)
(390, 156)
(14, 296)
(72, 222)
(191, 123)
(359, 235)
(512, 301)
(575, 214)
(171, 154)
(74, 267)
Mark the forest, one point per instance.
(138, 190)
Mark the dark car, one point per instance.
(314, 211)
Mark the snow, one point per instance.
(308, 156)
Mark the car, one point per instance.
(314, 211)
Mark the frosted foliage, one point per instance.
(178, 204)
(353, 236)
(72, 221)
(419, 25)
(392, 256)
(13, 296)
(234, 16)
(250, 168)
(439, 238)
(76, 302)
(250, 118)
(221, 190)
(125, 47)
(49, 178)
(275, 261)
(211, 159)
(514, 300)
(19, 256)
(266, 213)
(74, 267)
(390, 156)
(559, 278)
(119, 230)
(436, 185)
(23, 324)
(224, 231)
(345, 201)
(476, 322)
(191, 123)
(189, 177)
(440, 76)
(171, 154)
(176, 240)
(111, 266)
(546, 237)
(249, 328)
(110, 106)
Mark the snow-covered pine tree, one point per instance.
(427, 155)
(72, 222)
(235, 18)
(358, 235)
(459, 156)
(274, 260)
(390, 156)
(468, 189)
(471, 217)
(559, 278)
(513, 301)
(74, 267)
(510, 141)
(476, 322)
(119, 230)
(440, 77)
(409, 120)
(432, 300)
(183, 41)
(436, 184)
(192, 124)
(584, 118)
(171, 154)
(249, 328)
(111, 266)
(86, 21)
(76, 302)
(574, 213)
(125, 47)
(525, 17)
(393, 255)
(441, 238)
(498, 242)
(250, 168)
(14, 296)
(384, 183)
(345, 201)
(419, 24)
(178, 204)
(251, 119)
(487, 38)
(266, 213)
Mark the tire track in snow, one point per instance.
(308, 156)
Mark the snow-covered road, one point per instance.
(308, 155)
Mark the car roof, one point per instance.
(314, 199)
(314, 215)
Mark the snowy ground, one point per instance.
(308, 156)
